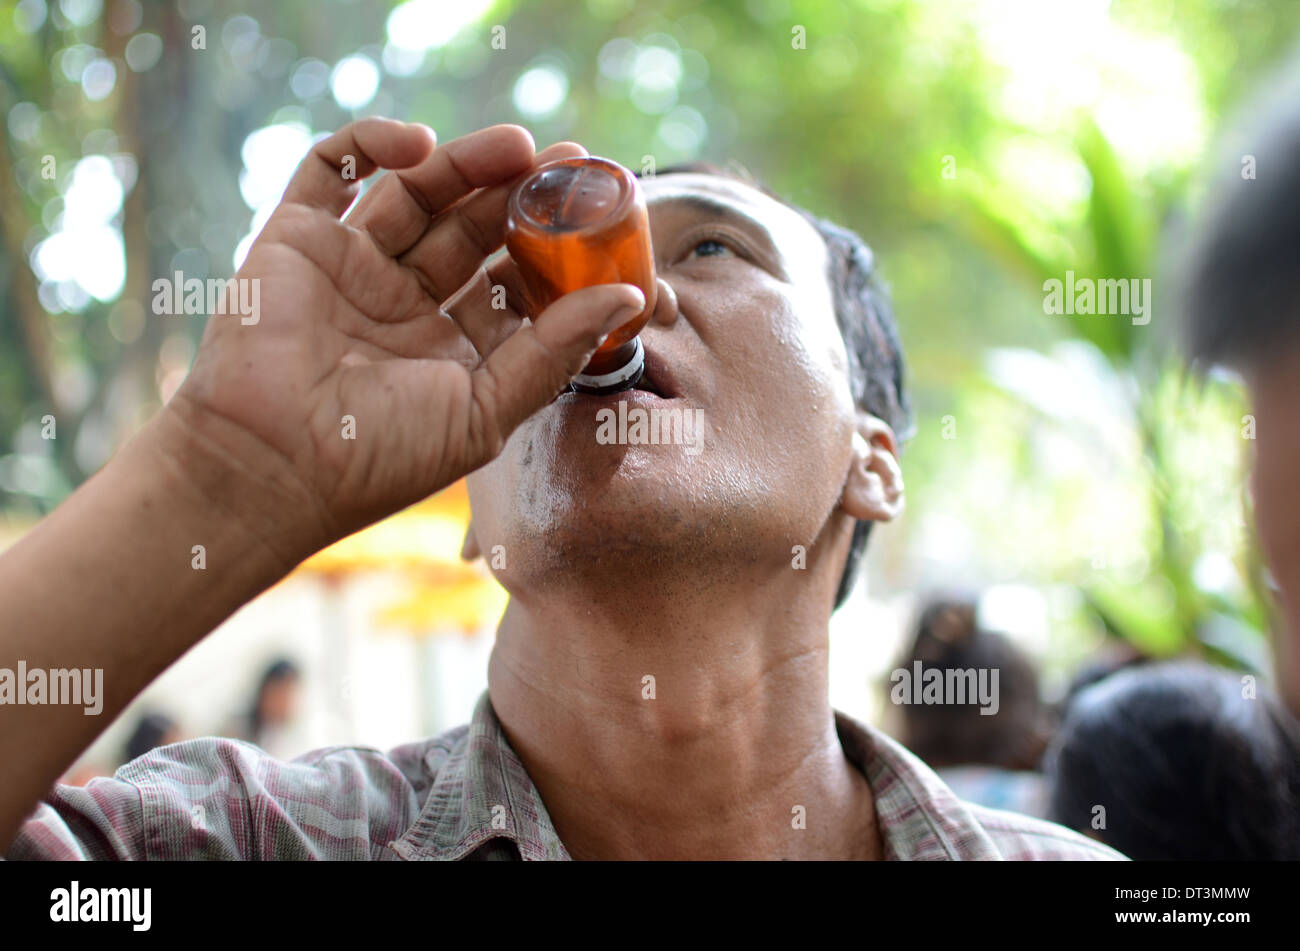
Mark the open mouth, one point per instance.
(649, 385)
(657, 378)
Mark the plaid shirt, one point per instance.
(462, 795)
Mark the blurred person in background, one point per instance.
(151, 731)
(989, 759)
(1179, 761)
(269, 720)
(1239, 283)
(1184, 765)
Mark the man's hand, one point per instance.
(379, 370)
(363, 329)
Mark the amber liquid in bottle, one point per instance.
(578, 222)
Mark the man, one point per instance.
(1240, 289)
(659, 683)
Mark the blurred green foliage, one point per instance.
(924, 126)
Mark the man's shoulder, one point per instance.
(211, 758)
(923, 819)
(230, 798)
(225, 755)
(1021, 837)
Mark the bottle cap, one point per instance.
(624, 378)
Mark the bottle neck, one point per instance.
(619, 369)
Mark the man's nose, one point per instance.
(666, 305)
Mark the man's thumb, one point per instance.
(534, 363)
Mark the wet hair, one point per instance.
(1184, 765)
(949, 637)
(866, 322)
(1238, 285)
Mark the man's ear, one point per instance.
(469, 549)
(873, 491)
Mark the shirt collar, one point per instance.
(482, 792)
(919, 817)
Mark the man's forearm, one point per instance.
(115, 579)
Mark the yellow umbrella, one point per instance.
(443, 593)
(423, 544)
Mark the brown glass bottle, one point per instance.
(578, 222)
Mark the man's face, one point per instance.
(1275, 392)
(754, 347)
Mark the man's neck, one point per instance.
(681, 729)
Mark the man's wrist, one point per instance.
(213, 467)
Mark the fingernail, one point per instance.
(621, 316)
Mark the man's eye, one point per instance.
(710, 247)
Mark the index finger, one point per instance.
(400, 208)
(330, 175)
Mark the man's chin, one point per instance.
(562, 494)
(621, 503)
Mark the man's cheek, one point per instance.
(1289, 661)
(1278, 539)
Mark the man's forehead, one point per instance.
(775, 217)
